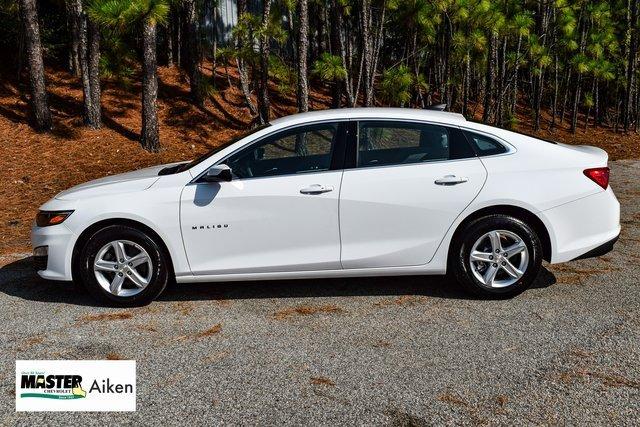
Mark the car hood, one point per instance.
(122, 183)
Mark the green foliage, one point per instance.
(283, 75)
(120, 15)
(329, 67)
(117, 61)
(396, 85)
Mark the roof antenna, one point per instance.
(436, 107)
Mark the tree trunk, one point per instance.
(263, 90)
(72, 24)
(576, 101)
(149, 138)
(336, 24)
(195, 76)
(89, 54)
(367, 53)
(514, 100)
(242, 68)
(169, 32)
(538, 98)
(80, 27)
(39, 101)
(490, 77)
(303, 52)
(631, 64)
(565, 96)
(554, 102)
(500, 90)
(466, 83)
(586, 118)
(177, 23)
(93, 53)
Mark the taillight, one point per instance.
(598, 175)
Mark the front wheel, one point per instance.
(123, 266)
(496, 256)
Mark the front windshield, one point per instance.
(219, 148)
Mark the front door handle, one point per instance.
(451, 180)
(316, 189)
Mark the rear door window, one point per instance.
(382, 143)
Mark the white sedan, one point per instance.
(338, 193)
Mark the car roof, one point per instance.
(371, 113)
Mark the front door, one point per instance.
(279, 212)
(410, 182)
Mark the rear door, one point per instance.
(410, 182)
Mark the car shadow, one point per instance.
(18, 279)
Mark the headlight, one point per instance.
(47, 218)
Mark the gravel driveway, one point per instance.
(399, 351)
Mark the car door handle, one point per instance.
(316, 189)
(450, 180)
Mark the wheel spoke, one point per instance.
(139, 259)
(512, 270)
(490, 275)
(103, 265)
(494, 237)
(481, 256)
(137, 279)
(515, 249)
(116, 284)
(118, 249)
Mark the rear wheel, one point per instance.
(496, 256)
(124, 266)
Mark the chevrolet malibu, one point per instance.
(339, 193)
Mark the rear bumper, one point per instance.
(603, 249)
(577, 228)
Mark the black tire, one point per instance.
(459, 255)
(160, 271)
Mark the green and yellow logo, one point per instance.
(52, 386)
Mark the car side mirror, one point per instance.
(218, 173)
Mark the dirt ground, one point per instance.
(36, 166)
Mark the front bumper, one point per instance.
(56, 265)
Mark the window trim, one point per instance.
(337, 155)
(354, 141)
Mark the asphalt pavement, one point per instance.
(401, 351)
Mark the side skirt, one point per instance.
(291, 275)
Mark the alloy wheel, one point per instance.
(499, 259)
(123, 268)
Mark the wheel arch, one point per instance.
(520, 213)
(86, 234)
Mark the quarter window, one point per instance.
(483, 145)
(299, 150)
(383, 143)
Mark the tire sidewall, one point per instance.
(479, 227)
(109, 234)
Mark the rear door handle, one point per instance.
(316, 189)
(451, 180)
